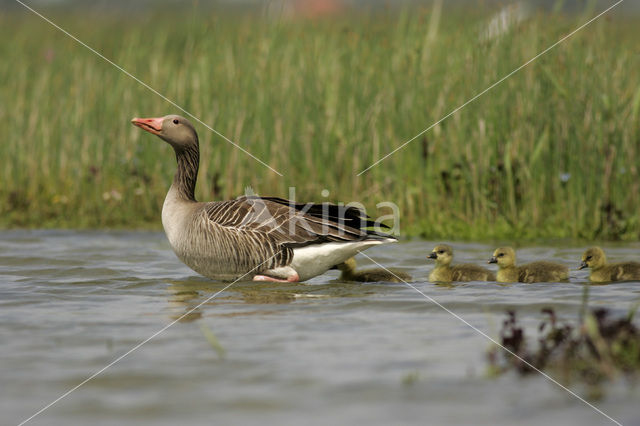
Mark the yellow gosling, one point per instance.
(444, 272)
(349, 273)
(602, 272)
(534, 272)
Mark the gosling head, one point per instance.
(504, 257)
(175, 130)
(442, 253)
(593, 258)
(348, 265)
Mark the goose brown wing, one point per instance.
(627, 271)
(293, 224)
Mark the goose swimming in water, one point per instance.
(602, 272)
(349, 273)
(445, 273)
(534, 272)
(259, 238)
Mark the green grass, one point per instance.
(320, 101)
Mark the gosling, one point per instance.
(349, 273)
(444, 272)
(601, 272)
(534, 272)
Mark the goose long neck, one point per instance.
(184, 181)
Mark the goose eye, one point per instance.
(501, 255)
(175, 121)
(588, 257)
(441, 251)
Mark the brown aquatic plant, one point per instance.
(596, 350)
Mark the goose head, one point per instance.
(175, 130)
(442, 253)
(504, 257)
(348, 265)
(593, 258)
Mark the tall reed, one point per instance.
(551, 152)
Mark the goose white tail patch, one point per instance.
(317, 259)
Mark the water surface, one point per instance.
(320, 352)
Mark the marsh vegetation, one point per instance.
(551, 152)
(599, 348)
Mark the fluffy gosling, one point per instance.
(444, 272)
(603, 272)
(349, 273)
(534, 272)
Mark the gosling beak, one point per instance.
(433, 255)
(583, 265)
(493, 260)
(151, 125)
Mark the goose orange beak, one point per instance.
(151, 125)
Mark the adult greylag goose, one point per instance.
(602, 272)
(349, 273)
(534, 272)
(259, 238)
(444, 272)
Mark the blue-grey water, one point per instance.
(315, 353)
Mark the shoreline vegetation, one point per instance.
(552, 152)
(586, 354)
